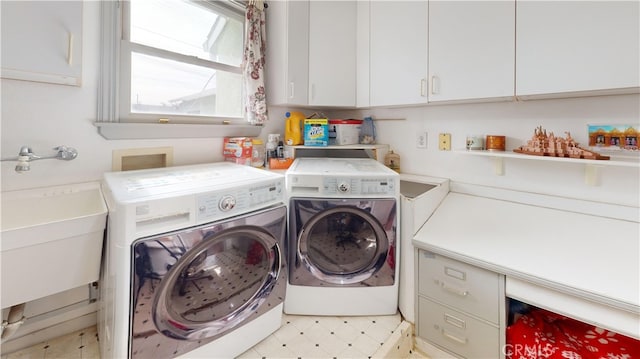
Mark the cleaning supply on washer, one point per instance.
(316, 132)
(293, 127)
(280, 150)
(392, 160)
(271, 147)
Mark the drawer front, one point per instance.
(459, 285)
(457, 332)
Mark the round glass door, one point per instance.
(217, 284)
(343, 245)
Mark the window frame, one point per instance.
(115, 119)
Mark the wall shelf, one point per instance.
(592, 175)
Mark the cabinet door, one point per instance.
(567, 47)
(287, 52)
(332, 53)
(398, 52)
(471, 50)
(42, 41)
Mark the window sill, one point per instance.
(138, 131)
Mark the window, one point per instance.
(174, 60)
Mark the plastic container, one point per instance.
(344, 132)
(293, 127)
(259, 153)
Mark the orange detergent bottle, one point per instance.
(293, 128)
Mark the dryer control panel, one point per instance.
(359, 186)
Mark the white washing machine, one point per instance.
(343, 237)
(194, 262)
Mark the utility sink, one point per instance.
(51, 240)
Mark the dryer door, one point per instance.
(344, 242)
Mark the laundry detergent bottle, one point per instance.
(293, 128)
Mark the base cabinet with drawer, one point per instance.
(461, 308)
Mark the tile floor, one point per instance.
(299, 337)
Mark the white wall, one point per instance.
(43, 116)
(517, 121)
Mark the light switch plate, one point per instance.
(444, 142)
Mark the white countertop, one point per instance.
(582, 255)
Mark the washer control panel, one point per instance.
(216, 205)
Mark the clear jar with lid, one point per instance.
(259, 153)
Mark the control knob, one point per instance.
(227, 203)
(343, 187)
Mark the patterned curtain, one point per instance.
(253, 63)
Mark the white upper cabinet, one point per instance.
(42, 41)
(311, 53)
(332, 53)
(567, 48)
(287, 52)
(398, 52)
(471, 50)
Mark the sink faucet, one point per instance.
(26, 155)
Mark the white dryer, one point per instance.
(194, 261)
(343, 237)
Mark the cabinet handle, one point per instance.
(456, 291)
(70, 50)
(423, 87)
(291, 89)
(453, 337)
(435, 85)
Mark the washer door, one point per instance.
(343, 245)
(217, 284)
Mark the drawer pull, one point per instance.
(453, 337)
(454, 273)
(456, 291)
(456, 322)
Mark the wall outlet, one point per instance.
(421, 140)
(444, 142)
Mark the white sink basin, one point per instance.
(51, 240)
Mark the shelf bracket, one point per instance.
(498, 166)
(592, 175)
